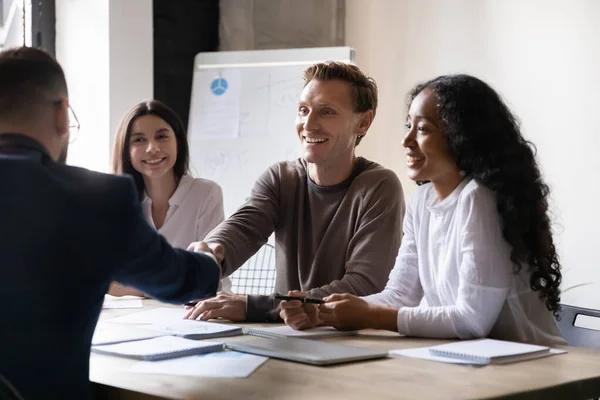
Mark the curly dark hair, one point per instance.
(485, 138)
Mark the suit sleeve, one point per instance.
(151, 265)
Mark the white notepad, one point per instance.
(170, 321)
(160, 348)
(285, 331)
(489, 351)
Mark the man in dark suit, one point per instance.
(65, 234)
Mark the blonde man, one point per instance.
(336, 216)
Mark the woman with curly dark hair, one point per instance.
(477, 240)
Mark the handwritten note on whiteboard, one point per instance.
(215, 106)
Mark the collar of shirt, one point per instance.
(345, 184)
(16, 143)
(185, 184)
(436, 206)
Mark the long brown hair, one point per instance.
(121, 163)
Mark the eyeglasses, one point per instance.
(74, 125)
(73, 121)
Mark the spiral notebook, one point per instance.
(160, 348)
(284, 331)
(489, 351)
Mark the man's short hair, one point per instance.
(28, 78)
(363, 88)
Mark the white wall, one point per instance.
(105, 48)
(131, 56)
(543, 56)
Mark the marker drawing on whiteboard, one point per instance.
(243, 158)
(215, 167)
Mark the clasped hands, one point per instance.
(342, 311)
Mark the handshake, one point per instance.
(214, 250)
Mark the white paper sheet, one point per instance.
(122, 302)
(224, 364)
(170, 321)
(155, 315)
(107, 333)
(215, 105)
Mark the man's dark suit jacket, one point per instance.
(65, 234)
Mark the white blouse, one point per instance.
(454, 257)
(195, 209)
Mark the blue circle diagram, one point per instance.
(218, 86)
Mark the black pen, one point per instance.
(310, 300)
(191, 303)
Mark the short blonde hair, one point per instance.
(363, 88)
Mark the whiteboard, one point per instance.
(271, 81)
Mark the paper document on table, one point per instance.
(171, 322)
(107, 333)
(122, 302)
(155, 315)
(225, 364)
(425, 354)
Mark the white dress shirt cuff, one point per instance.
(403, 320)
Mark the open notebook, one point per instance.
(160, 348)
(170, 321)
(285, 331)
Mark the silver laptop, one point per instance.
(306, 351)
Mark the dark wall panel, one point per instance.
(182, 28)
(43, 25)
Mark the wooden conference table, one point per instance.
(575, 375)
